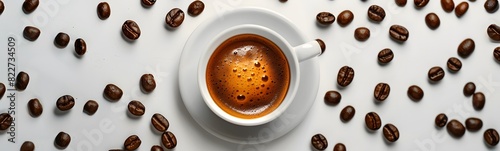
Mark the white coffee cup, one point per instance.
(294, 55)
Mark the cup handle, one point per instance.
(309, 50)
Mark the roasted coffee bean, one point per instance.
(432, 20)
(447, 5)
(168, 140)
(174, 17)
(103, 10)
(196, 8)
(373, 121)
(381, 91)
(345, 76)
(159, 122)
(391, 132)
(478, 100)
(322, 45)
(399, 33)
(2, 90)
(491, 6)
(345, 18)
(339, 147)
(27, 146)
(466, 48)
(131, 30)
(441, 120)
(385, 55)
(112, 92)
(132, 142)
(362, 33)
(347, 113)
(401, 2)
(436, 74)
(420, 3)
(491, 137)
(22, 80)
(469, 88)
(80, 47)
(473, 124)
(35, 107)
(148, 3)
(319, 142)
(5, 121)
(283, 1)
(496, 53)
(415, 93)
(454, 64)
(156, 148)
(455, 128)
(31, 33)
(148, 83)
(461, 9)
(65, 102)
(494, 32)
(90, 107)
(325, 18)
(62, 140)
(136, 108)
(2, 7)
(376, 13)
(61, 40)
(30, 6)
(332, 97)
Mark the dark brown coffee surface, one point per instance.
(22, 80)
(168, 140)
(132, 142)
(91, 107)
(447, 5)
(62, 140)
(319, 142)
(35, 107)
(441, 120)
(27, 146)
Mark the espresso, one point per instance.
(248, 76)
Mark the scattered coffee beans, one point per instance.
(168, 140)
(491, 137)
(441, 120)
(347, 113)
(345, 76)
(494, 32)
(322, 45)
(415, 93)
(148, 3)
(61, 40)
(461, 9)
(2, 90)
(112, 92)
(90, 107)
(496, 53)
(454, 64)
(385, 56)
(436, 74)
(432, 20)
(381, 91)
(156, 148)
(80, 47)
(5, 121)
(362, 33)
(35, 107)
(473, 124)
(391, 132)
(319, 142)
(196, 8)
(131, 30)
(22, 80)
(339, 147)
(132, 142)
(159, 122)
(136, 108)
(65, 102)
(376, 13)
(447, 5)
(31, 33)
(174, 17)
(103, 10)
(399, 33)
(345, 18)
(30, 6)
(469, 88)
(325, 18)
(62, 140)
(420, 3)
(332, 97)
(148, 83)
(27, 146)
(491, 6)
(478, 100)
(2, 7)
(466, 48)
(373, 121)
(455, 128)
(401, 2)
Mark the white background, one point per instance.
(111, 59)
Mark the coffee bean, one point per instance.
(478, 100)
(415, 93)
(381, 91)
(469, 88)
(385, 55)
(22, 80)
(432, 20)
(496, 53)
(345, 18)
(447, 5)
(27, 146)
(373, 121)
(148, 3)
(65, 102)
(136, 108)
(168, 140)
(491, 6)
(473, 124)
(441, 120)
(376, 13)
(2, 7)
(31, 33)
(35, 107)
(156, 148)
(494, 32)
(347, 113)
(362, 33)
(80, 47)
(399, 33)
(174, 17)
(112, 92)
(491, 137)
(5, 121)
(90, 107)
(148, 83)
(322, 45)
(436, 74)
(62, 140)
(61, 40)
(30, 6)
(325, 18)
(466, 48)
(420, 3)
(103, 10)
(131, 30)
(461, 9)
(196, 8)
(401, 2)
(283, 1)
(116, 150)
(2, 90)
(319, 142)
(132, 142)
(391, 132)
(159, 122)
(455, 128)
(332, 97)
(345, 76)
(454, 64)
(339, 147)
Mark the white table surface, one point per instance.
(110, 59)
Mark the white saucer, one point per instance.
(191, 95)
